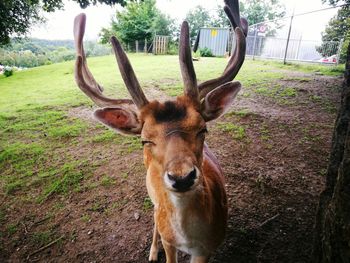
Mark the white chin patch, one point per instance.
(167, 181)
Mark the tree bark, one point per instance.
(332, 227)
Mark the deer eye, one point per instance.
(145, 142)
(202, 131)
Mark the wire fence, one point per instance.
(139, 46)
(293, 49)
(294, 38)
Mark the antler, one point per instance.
(186, 65)
(88, 84)
(128, 75)
(240, 26)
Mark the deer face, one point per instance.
(173, 136)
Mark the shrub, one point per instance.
(8, 71)
(205, 52)
(173, 48)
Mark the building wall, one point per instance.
(216, 39)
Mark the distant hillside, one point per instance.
(53, 43)
(34, 52)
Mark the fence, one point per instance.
(296, 50)
(160, 44)
(294, 38)
(139, 46)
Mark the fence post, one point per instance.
(145, 47)
(137, 46)
(254, 42)
(154, 45)
(290, 29)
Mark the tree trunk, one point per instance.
(332, 228)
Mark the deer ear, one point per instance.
(219, 100)
(123, 120)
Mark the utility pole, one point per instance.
(290, 29)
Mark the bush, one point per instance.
(173, 48)
(205, 52)
(8, 71)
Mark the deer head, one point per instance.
(172, 132)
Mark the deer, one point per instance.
(184, 179)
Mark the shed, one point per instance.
(216, 39)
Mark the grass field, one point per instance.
(35, 123)
(47, 151)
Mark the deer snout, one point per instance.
(181, 183)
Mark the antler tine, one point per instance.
(240, 26)
(128, 74)
(231, 9)
(83, 76)
(186, 65)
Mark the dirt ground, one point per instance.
(274, 169)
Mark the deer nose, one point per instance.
(182, 183)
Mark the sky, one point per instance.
(59, 24)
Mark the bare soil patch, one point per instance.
(274, 173)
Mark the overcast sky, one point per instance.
(59, 24)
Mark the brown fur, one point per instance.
(202, 218)
(184, 180)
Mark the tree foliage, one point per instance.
(335, 2)
(138, 21)
(257, 11)
(17, 16)
(220, 18)
(36, 52)
(338, 29)
(198, 17)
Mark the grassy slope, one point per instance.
(38, 137)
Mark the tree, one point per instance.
(257, 11)
(17, 16)
(332, 227)
(164, 25)
(220, 18)
(138, 21)
(197, 18)
(338, 29)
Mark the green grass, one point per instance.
(328, 70)
(85, 218)
(279, 93)
(105, 136)
(41, 238)
(63, 179)
(45, 150)
(238, 132)
(264, 132)
(11, 229)
(241, 113)
(147, 204)
(107, 181)
(67, 130)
